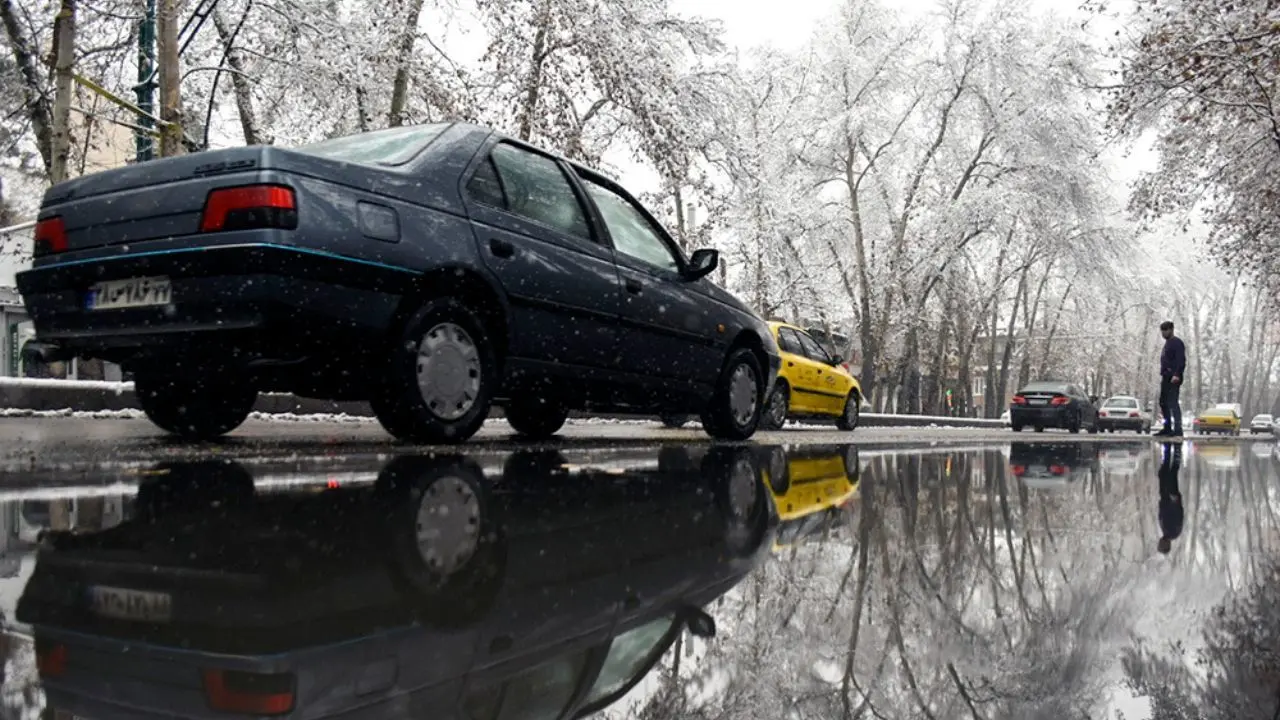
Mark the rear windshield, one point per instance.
(1122, 403)
(1219, 412)
(1052, 387)
(393, 146)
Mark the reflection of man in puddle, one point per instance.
(1170, 496)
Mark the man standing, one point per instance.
(1173, 365)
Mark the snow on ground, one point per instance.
(56, 384)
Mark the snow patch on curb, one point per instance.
(56, 384)
(126, 414)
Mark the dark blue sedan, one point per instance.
(432, 270)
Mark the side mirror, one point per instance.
(701, 263)
(700, 624)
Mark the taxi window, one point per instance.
(812, 349)
(789, 341)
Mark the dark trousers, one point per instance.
(1169, 406)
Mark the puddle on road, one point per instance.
(1023, 580)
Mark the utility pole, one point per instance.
(170, 76)
(144, 143)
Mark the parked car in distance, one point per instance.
(1261, 423)
(1218, 420)
(811, 384)
(1053, 404)
(432, 270)
(1123, 412)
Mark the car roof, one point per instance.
(1121, 397)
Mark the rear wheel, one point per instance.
(1017, 428)
(852, 412)
(735, 409)
(192, 402)
(440, 376)
(536, 417)
(775, 413)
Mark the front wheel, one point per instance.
(734, 410)
(440, 376)
(775, 413)
(536, 418)
(852, 412)
(199, 404)
(1017, 428)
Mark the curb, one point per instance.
(95, 397)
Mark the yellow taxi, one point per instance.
(1218, 420)
(811, 383)
(811, 487)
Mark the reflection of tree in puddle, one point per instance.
(956, 591)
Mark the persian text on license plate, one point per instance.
(1039, 402)
(125, 604)
(134, 292)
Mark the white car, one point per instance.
(1123, 412)
(1261, 423)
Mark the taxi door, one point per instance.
(800, 372)
(829, 385)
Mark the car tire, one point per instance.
(1017, 428)
(775, 411)
(735, 407)
(445, 401)
(194, 405)
(1040, 428)
(852, 412)
(673, 420)
(536, 417)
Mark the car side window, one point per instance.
(534, 187)
(813, 350)
(633, 235)
(788, 341)
(486, 187)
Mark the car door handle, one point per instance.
(501, 248)
(790, 364)
(634, 287)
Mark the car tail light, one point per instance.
(1019, 400)
(249, 693)
(1018, 469)
(51, 237)
(51, 658)
(1134, 414)
(250, 207)
(1058, 469)
(1059, 401)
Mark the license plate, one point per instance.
(134, 292)
(124, 604)
(1038, 402)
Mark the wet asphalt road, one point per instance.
(973, 572)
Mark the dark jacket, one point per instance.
(1173, 359)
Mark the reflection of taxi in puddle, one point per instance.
(1219, 456)
(811, 487)
(1050, 465)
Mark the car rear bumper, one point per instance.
(1105, 423)
(1050, 417)
(260, 298)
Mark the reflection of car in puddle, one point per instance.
(1123, 460)
(1050, 465)
(1218, 456)
(435, 592)
(812, 486)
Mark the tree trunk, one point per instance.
(170, 78)
(64, 51)
(240, 85)
(25, 56)
(404, 57)
(533, 80)
(1001, 389)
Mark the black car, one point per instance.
(442, 590)
(433, 270)
(1052, 404)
